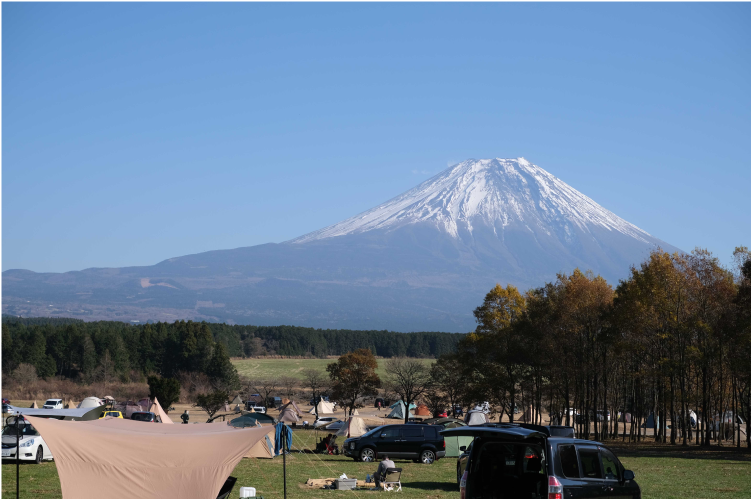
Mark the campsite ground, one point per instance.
(662, 471)
(263, 368)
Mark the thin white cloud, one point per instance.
(421, 172)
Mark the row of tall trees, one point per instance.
(112, 351)
(672, 340)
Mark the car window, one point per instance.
(569, 462)
(610, 465)
(590, 462)
(532, 460)
(392, 432)
(413, 433)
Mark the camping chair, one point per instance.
(392, 480)
(226, 489)
(332, 448)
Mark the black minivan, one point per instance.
(511, 460)
(421, 443)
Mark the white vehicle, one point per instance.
(32, 446)
(321, 422)
(53, 404)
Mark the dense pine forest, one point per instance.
(75, 349)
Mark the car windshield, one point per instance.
(51, 402)
(26, 429)
(141, 416)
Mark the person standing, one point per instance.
(379, 406)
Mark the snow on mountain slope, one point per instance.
(498, 193)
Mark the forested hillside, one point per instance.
(72, 348)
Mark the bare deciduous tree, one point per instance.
(408, 378)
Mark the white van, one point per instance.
(53, 404)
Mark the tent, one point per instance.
(323, 408)
(292, 405)
(476, 418)
(398, 410)
(187, 461)
(237, 400)
(90, 402)
(354, 427)
(264, 449)
(422, 410)
(156, 408)
(453, 444)
(650, 423)
(355, 413)
(288, 415)
(145, 404)
(529, 415)
(34, 405)
(251, 419)
(71, 405)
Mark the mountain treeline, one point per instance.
(75, 349)
(670, 342)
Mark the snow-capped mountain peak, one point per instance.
(496, 193)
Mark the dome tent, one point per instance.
(398, 410)
(422, 410)
(474, 418)
(90, 402)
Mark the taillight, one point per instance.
(444, 445)
(555, 489)
(463, 485)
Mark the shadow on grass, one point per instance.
(442, 486)
(714, 452)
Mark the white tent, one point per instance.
(354, 427)
(355, 413)
(90, 402)
(476, 418)
(323, 408)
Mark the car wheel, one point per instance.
(427, 457)
(367, 455)
(40, 455)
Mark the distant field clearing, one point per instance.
(274, 368)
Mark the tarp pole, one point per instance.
(18, 456)
(284, 457)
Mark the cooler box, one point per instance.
(346, 483)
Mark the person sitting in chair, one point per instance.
(380, 474)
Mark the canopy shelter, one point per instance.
(156, 408)
(354, 427)
(398, 410)
(82, 414)
(475, 417)
(323, 408)
(264, 449)
(422, 410)
(113, 457)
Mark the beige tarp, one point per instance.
(112, 457)
(264, 449)
(156, 408)
(354, 427)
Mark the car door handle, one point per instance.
(607, 488)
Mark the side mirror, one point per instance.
(628, 475)
(383, 435)
(463, 448)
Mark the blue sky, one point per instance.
(133, 133)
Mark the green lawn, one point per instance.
(691, 474)
(273, 368)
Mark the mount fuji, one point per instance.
(420, 261)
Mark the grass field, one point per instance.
(665, 474)
(273, 368)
